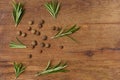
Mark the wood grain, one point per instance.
(96, 57)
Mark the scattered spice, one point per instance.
(33, 31)
(42, 44)
(24, 34)
(31, 22)
(44, 37)
(29, 28)
(47, 45)
(54, 28)
(61, 47)
(30, 55)
(40, 26)
(37, 33)
(41, 51)
(42, 21)
(34, 43)
(19, 33)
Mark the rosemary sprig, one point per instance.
(53, 7)
(53, 69)
(19, 69)
(19, 44)
(18, 12)
(67, 33)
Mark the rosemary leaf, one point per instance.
(73, 39)
(48, 65)
(19, 69)
(19, 44)
(18, 12)
(68, 32)
(53, 69)
(58, 64)
(53, 7)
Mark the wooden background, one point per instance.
(96, 57)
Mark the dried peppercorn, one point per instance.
(37, 33)
(61, 47)
(42, 22)
(24, 34)
(44, 37)
(40, 26)
(33, 31)
(54, 28)
(34, 43)
(30, 55)
(47, 45)
(42, 44)
(41, 51)
(29, 28)
(19, 33)
(31, 22)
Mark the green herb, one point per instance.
(67, 33)
(53, 7)
(18, 12)
(19, 69)
(19, 44)
(53, 69)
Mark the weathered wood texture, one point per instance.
(96, 57)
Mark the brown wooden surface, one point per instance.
(96, 57)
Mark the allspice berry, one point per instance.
(34, 43)
(41, 51)
(37, 33)
(61, 47)
(47, 45)
(33, 31)
(42, 22)
(42, 44)
(31, 22)
(44, 37)
(54, 28)
(19, 33)
(24, 34)
(40, 26)
(30, 56)
(29, 28)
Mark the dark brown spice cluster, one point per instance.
(37, 32)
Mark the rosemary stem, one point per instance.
(52, 69)
(15, 25)
(61, 35)
(15, 78)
